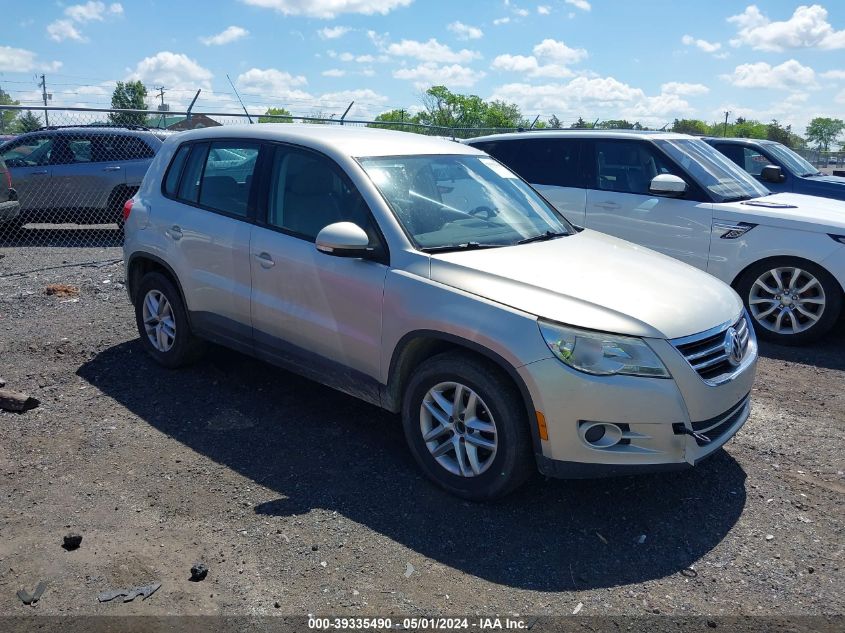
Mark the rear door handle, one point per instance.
(607, 205)
(265, 260)
(174, 233)
(43, 172)
(112, 168)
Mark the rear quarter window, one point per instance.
(174, 172)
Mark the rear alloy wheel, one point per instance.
(163, 322)
(466, 425)
(791, 301)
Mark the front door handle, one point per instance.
(174, 233)
(265, 260)
(610, 206)
(42, 172)
(112, 168)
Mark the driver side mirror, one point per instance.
(344, 239)
(668, 185)
(772, 173)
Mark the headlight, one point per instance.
(602, 354)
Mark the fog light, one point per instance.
(594, 433)
(601, 434)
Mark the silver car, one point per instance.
(78, 174)
(426, 278)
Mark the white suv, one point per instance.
(783, 253)
(424, 277)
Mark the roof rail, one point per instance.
(128, 126)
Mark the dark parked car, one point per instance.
(779, 168)
(79, 174)
(9, 205)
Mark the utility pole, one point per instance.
(725, 132)
(43, 86)
(162, 108)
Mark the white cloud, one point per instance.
(835, 75)
(227, 36)
(681, 88)
(328, 9)
(465, 31)
(19, 60)
(66, 29)
(431, 51)
(521, 12)
(333, 32)
(172, 70)
(500, 21)
(544, 9)
(61, 30)
(367, 104)
(840, 98)
(789, 75)
(270, 82)
(92, 11)
(580, 4)
(555, 51)
(550, 59)
(429, 73)
(806, 28)
(704, 45)
(333, 72)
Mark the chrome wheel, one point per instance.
(159, 322)
(787, 300)
(458, 429)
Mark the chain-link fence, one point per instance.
(70, 170)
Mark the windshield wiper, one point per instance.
(737, 199)
(466, 246)
(543, 237)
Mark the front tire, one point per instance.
(163, 323)
(466, 426)
(791, 301)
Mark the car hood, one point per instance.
(787, 210)
(833, 180)
(594, 281)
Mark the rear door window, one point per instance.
(541, 161)
(228, 176)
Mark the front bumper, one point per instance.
(657, 416)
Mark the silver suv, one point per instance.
(78, 174)
(426, 278)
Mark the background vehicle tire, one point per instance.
(479, 449)
(791, 301)
(163, 323)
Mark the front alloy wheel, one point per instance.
(458, 429)
(791, 301)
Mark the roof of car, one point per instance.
(736, 140)
(346, 139)
(99, 129)
(582, 133)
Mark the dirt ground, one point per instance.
(301, 500)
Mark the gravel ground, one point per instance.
(303, 500)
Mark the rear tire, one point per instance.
(163, 323)
(791, 301)
(479, 449)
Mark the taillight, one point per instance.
(127, 209)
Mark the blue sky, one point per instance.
(649, 60)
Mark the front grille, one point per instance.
(708, 356)
(714, 428)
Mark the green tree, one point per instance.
(7, 116)
(554, 122)
(267, 117)
(824, 131)
(26, 122)
(580, 124)
(443, 108)
(690, 126)
(130, 95)
(744, 128)
(392, 119)
(619, 124)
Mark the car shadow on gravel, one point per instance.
(828, 352)
(319, 449)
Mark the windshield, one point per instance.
(789, 159)
(457, 202)
(712, 170)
